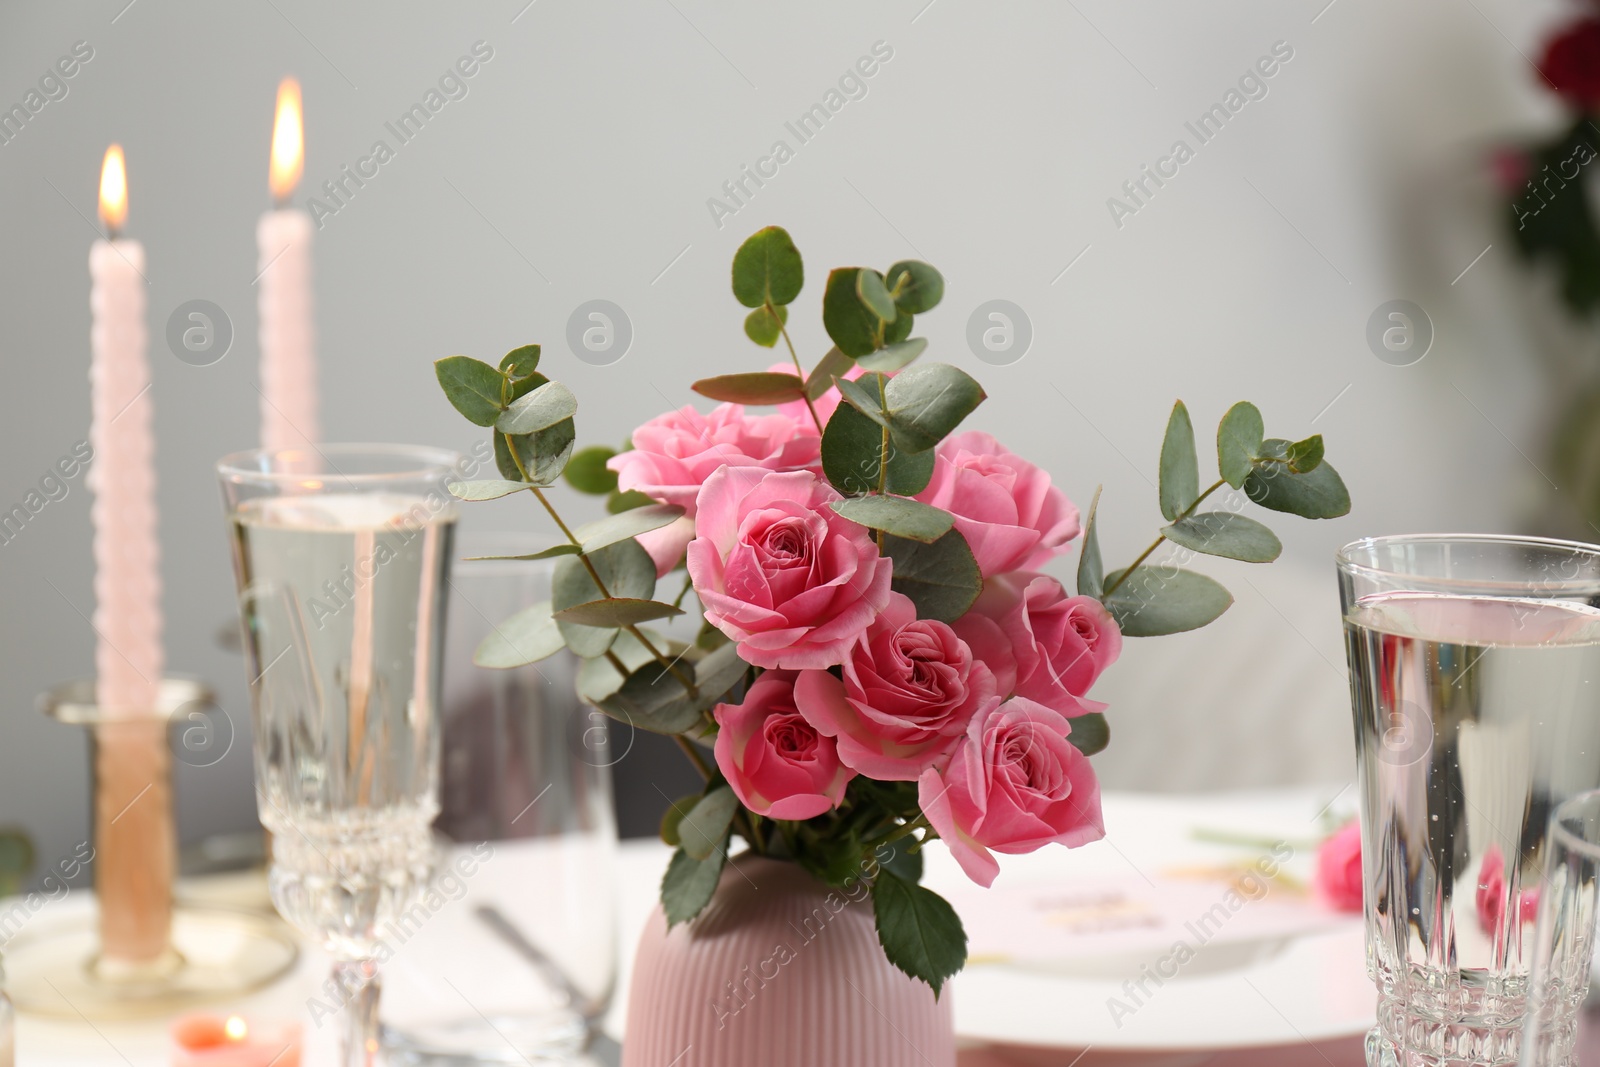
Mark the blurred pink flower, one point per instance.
(1339, 868)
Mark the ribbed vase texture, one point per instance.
(782, 971)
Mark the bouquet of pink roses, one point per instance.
(882, 660)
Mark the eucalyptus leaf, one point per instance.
(521, 362)
(652, 698)
(1317, 494)
(942, 579)
(527, 637)
(598, 679)
(627, 500)
(1091, 572)
(1305, 456)
(896, 331)
(873, 295)
(852, 454)
(539, 410)
(927, 401)
(892, 358)
(1221, 533)
(543, 455)
(544, 553)
(1158, 599)
(521, 387)
(587, 472)
(688, 885)
(704, 829)
(850, 323)
(608, 531)
(765, 324)
(1090, 733)
(761, 387)
(617, 611)
(767, 269)
(918, 929)
(1238, 442)
(485, 489)
(897, 515)
(1180, 467)
(471, 386)
(863, 396)
(917, 287)
(832, 365)
(628, 572)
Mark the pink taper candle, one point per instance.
(133, 828)
(283, 241)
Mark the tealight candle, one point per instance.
(212, 1041)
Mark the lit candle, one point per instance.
(210, 1041)
(134, 847)
(283, 241)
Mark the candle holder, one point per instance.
(139, 954)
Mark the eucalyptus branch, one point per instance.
(694, 755)
(883, 455)
(800, 370)
(1123, 577)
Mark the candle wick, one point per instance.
(281, 203)
(112, 233)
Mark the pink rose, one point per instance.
(1061, 643)
(910, 687)
(777, 763)
(1004, 506)
(1491, 898)
(666, 544)
(1339, 868)
(674, 454)
(779, 572)
(1014, 784)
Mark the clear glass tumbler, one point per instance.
(1565, 934)
(1475, 683)
(341, 560)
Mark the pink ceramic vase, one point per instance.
(779, 970)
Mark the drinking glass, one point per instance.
(341, 558)
(520, 964)
(1475, 685)
(1565, 934)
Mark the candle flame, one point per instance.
(288, 142)
(235, 1028)
(114, 189)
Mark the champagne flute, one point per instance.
(341, 559)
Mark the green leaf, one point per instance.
(754, 388)
(688, 885)
(897, 515)
(527, 637)
(942, 579)
(539, 410)
(1305, 456)
(1091, 572)
(521, 387)
(521, 362)
(897, 331)
(471, 386)
(831, 366)
(902, 862)
(608, 531)
(763, 327)
(1158, 599)
(587, 472)
(835, 858)
(704, 829)
(653, 699)
(544, 553)
(916, 286)
(617, 611)
(598, 679)
(628, 572)
(485, 489)
(673, 816)
(1221, 533)
(872, 294)
(927, 401)
(544, 454)
(1238, 442)
(617, 503)
(852, 449)
(849, 322)
(918, 929)
(1180, 467)
(767, 269)
(1090, 732)
(890, 359)
(863, 396)
(1317, 494)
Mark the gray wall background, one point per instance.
(579, 165)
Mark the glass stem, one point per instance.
(359, 980)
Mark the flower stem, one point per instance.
(784, 330)
(919, 823)
(694, 755)
(1123, 577)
